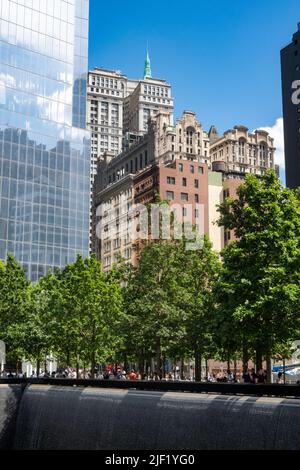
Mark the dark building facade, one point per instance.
(290, 71)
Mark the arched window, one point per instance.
(190, 131)
(242, 147)
(263, 150)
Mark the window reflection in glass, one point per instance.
(44, 161)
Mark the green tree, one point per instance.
(30, 335)
(258, 292)
(14, 304)
(198, 272)
(86, 307)
(151, 301)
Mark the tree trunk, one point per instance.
(198, 361)
(126, 365)
(141, 362)
(158, 357)
(77, 367)
(93, 363)
(269, 371)
(245, 360)
(182, 368)
(206, 369)
(283, 362)
(147, 368)
(163, 367)
(38, 365)
(258, 359)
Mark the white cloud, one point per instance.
(276, 131)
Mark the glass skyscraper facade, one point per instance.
(44, 144)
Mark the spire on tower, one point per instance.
(147, 68)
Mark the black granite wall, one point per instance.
(54, 417)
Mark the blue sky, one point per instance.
(222, 58)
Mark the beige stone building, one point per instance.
(118, 109)
(105, 97)
(145, 99)
(186, 139)
(164, 144)
(166, 161)
(240, 151)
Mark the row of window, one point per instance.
(132, 167)
(192, 168)
(107, 92)
(157, 100)
(242, 151)
(172, 180)
(116, 258)
(183, 196)
(105, 82)
(158, 91)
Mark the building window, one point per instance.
(183, 181)
(241, 148)
(170, 195)
(227, 235)
(180, 166)
(146, 157)
(170, 180)
(201, 170)
(196, 197)
(141, 161)
(192, 169)
(184, 196)
(196, 183)
(184, 211)
(196, 212)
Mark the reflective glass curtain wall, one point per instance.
(44, 147)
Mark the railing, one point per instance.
(275, 390)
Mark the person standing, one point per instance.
(132, 375)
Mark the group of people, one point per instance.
(118, 372)
(222, 376)
(250, 376)
(255, 378)
(8, 374)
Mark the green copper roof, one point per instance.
(147, 68)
